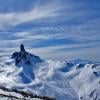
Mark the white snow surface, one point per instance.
(60, 79)
(48, 81)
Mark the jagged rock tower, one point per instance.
(27, 62)
(26, 57)
(22, 49)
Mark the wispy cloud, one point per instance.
(57, 28)
(38, 12)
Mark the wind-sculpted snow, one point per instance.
(48, 80)
(85, 79)
(51, 78)
(59, 79)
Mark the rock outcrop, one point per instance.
(26, 57)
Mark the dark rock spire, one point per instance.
(22, 49)
(23, 55)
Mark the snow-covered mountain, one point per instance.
(72, 80)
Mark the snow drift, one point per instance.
(63, 80)
(27, 72)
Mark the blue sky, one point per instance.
(60, 29)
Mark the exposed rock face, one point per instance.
(22, 48)
(14, 94)
(27, 62)
(22, 55)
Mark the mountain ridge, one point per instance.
(71, 80)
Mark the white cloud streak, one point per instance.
(38, 12)
(86, 33)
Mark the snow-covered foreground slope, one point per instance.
(47, 81)
(73, 80)
(27, 72)
(85, 79)
(83, 76)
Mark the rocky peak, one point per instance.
(22, 49)
(24, 56)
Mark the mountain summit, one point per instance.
(22, 49)
(26, 61)
(63, 80)
(28, 72)
(25, 57)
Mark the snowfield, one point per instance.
(72, 80)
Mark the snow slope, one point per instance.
(72, 80)
(85, 78)
(37, 76)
